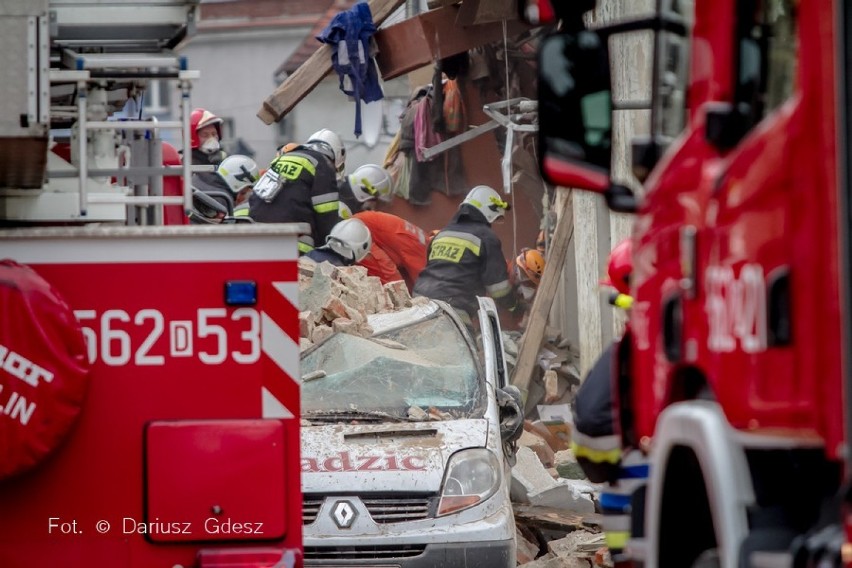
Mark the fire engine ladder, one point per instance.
(89, 71)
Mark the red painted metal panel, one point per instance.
(214, 480)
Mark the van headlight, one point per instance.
(472, 477)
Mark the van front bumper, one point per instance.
(490, 554)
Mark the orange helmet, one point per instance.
(199, 119)
(531, 264)
(284, 148)
(619, 267)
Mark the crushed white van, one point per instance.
(407, 443)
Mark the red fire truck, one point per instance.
(149, 397)
(735, 373)
(149, 371)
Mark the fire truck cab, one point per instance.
(736, 370)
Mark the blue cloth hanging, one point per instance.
(349, 35)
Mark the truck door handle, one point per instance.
(673, 328)
(779, 311)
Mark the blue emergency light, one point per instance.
(240, 292)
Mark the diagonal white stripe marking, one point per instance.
(272, 407)
(279, 347)
(289, 290)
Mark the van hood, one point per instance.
(407, 457)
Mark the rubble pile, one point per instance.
(556, 377)
(555, 505)
(340, 299)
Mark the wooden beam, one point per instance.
(531, 340)
(431, 36)
(311, 72)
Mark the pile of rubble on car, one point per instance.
(555, 506)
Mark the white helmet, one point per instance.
(488, 202)
(350, 239)
(369, 182)
(336, 152)
(239, 172)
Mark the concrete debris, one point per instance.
(555, 506)
(397, 293)
(564, 494)
(528, 476)
(558, 562)
(417, 413)
(537, 444)
(555, 378)
(527, 550)
(340, 299)
(557, 438)
(577, 543)
(551, 386)
(567, 466)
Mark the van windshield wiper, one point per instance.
(348, 415)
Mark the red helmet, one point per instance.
(199, 119)
(619, 267)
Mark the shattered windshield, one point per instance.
(415, 372)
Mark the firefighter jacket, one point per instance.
(200, 158)
(380, 265)
(299, 187)
(595, 440)
(216, 187)
(404, 242)
(465, 260)
(347, 196)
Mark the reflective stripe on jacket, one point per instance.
(466, 260)
(307, 194)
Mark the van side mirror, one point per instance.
(511, 413)
(575, 110)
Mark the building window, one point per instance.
(157, 97)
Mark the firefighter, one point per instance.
(205, 142)
(402, 241)
(348, 243)
(600, 440)
(362, 189)
(465, 259)
(300, 186)
(377, 263)
(527, 270)
(240, 174)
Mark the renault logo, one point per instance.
(343, 514)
